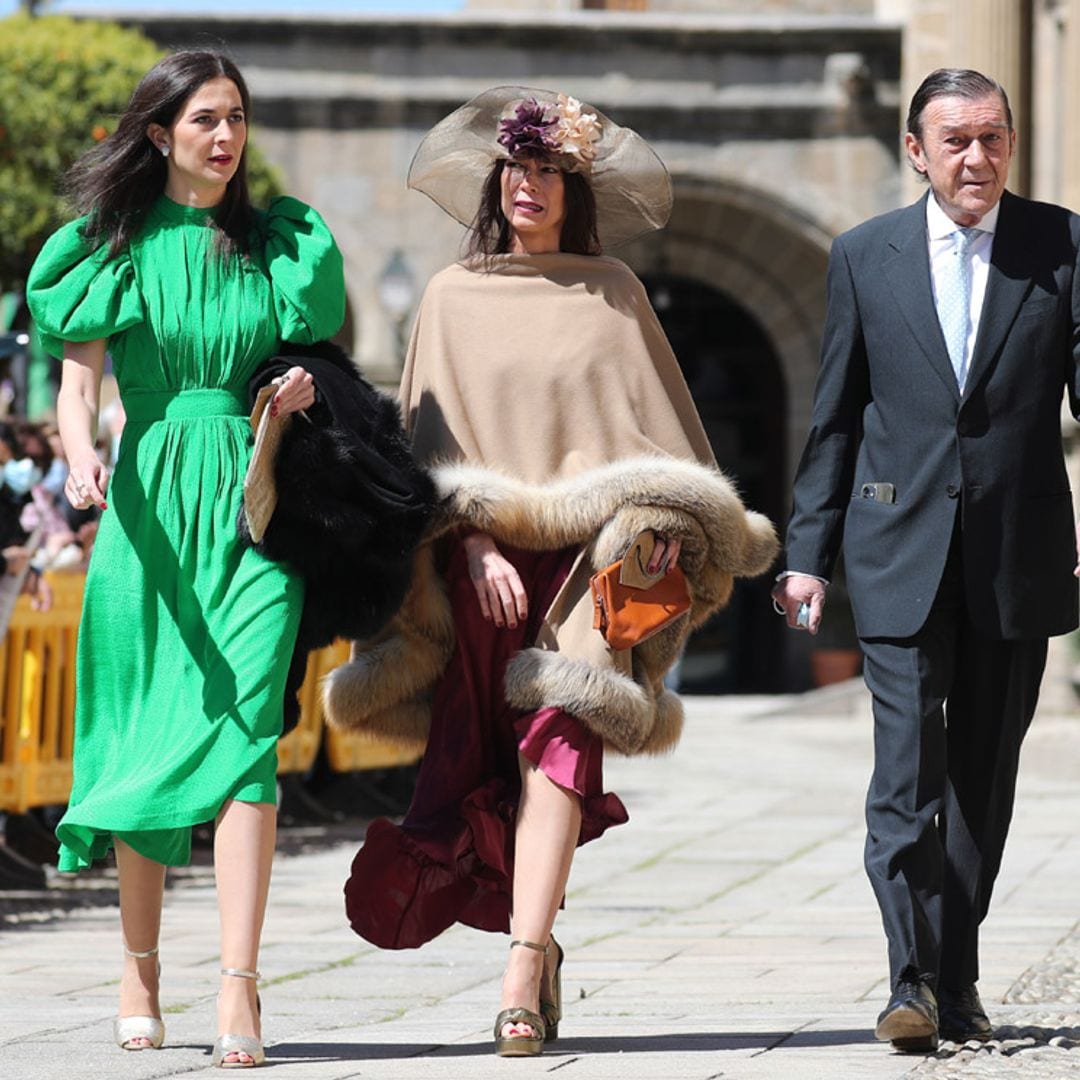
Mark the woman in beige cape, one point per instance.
(542, 391)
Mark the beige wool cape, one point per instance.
(543, 394)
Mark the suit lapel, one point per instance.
(1008, 282)
(907, 268)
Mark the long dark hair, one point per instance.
(117, 181)
(490, 233)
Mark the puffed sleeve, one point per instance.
(78, 293)
(306, 272)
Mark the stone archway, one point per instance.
(736, 381)
(768, 257)
(759, 267)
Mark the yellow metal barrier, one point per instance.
(297, 751)
(37, 674)
(37, 707)
(345, 751)
(349, 752)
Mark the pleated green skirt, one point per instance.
(185, 639)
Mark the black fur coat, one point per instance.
(352, 505)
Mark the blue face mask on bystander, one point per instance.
(56, 476)
(21, 475)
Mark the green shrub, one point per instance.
(63, 84)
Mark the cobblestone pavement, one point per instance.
(1037, 1033)
(726, 932)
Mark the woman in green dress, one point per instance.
(186, 635)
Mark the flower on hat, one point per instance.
(557, 129)
(576, 131)
(528, 129)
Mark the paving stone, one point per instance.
(726, 932)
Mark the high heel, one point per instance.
(521, 1045)
(239, 1044)
(131, 1031)
(551, 1010)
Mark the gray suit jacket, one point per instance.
(887, 409)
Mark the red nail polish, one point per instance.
(104, 506)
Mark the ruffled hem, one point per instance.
(452, 859)
(411, 882)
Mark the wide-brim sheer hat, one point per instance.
(631, 186)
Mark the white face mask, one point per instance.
(21, 475)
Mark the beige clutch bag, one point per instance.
(260, 487)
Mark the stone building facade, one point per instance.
(779, 122)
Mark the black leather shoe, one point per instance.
(962, 1017)
(910, 1020)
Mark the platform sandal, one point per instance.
(139, 1032)
(521, 1045)
(239, 1044)
(551, 1010)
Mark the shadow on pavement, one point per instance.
(30, 906)
(675, 1042)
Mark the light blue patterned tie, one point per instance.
(954, 301)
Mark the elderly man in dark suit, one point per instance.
(934, 457)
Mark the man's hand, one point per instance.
(789, 592)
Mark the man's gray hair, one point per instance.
(953, 82)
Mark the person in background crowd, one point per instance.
(19, 473)
(61, 548)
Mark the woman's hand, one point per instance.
(34, 585)
(665, 555)
(39, 591)
(76, 416)
(87, 481)
(498, 586)
(16, 557)
(296, 392)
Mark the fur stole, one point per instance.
(352, 505)
(385, 687)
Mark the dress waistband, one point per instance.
(146, 406)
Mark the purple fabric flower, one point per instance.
(529, 129)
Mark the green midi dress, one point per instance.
(186, 635)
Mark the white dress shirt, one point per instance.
(941, 236)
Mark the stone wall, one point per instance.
(778, 134)
(706, 7)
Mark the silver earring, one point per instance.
(164, 151)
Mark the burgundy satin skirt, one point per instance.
(451, 860)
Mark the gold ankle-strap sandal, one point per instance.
(139, 1032)
(239, 1044)
(551, 1008)
(521, 1045)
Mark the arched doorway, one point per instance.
(735, 377)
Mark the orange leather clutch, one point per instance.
(629, 606)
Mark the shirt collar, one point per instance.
(939, 225)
